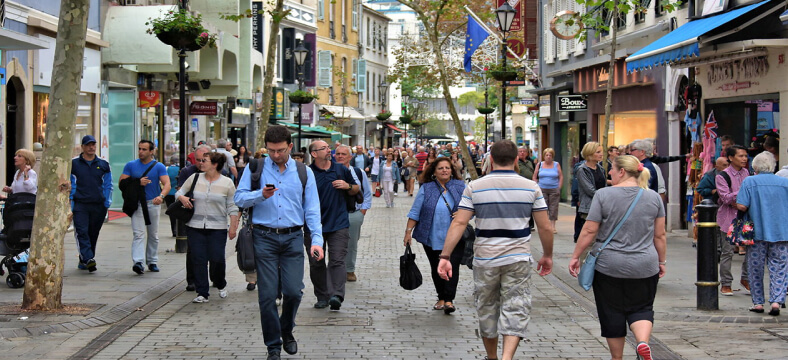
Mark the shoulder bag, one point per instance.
(177, 210)
(466, 241)
(586, 275)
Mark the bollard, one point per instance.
(181, 243)
(708, 282)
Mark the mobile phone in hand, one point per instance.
(269, 186)
(315, 254)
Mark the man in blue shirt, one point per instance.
(156, 184)
(88, 173)
(334, 183)
(279, 213)
(361, 160)
(355, 217)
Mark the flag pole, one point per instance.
(482, 24)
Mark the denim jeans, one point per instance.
(207, 245)
(356, 220)
(146, 252)
(280, 262)
(88, 219)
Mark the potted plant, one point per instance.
(301, 97)
(502, 73)
(485, 110)
(384, 115)
(490, 121)
(181, 30)
(406, 119)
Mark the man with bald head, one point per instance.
(707, 187)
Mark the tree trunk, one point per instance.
(466, 155)
(44, 283)
(268, 82)
(611, 77)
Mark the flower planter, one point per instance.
(296, 99)
(503, 75)
(485, 110)
(383, 117)
(405, 119)
(490, 121)
(182, 40)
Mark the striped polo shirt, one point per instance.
(502, 202)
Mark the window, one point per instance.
(367, 78)
(324, 75)
(321, 9)
(361, 77)
(641, 10)
(548, 40)
(354, 14)
(369, 34)
(345, 80)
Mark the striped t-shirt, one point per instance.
(502, 202)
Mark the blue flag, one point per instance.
(474, 36)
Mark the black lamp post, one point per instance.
(505, 14)
(405, 99)
(300, 55)
(383, 88)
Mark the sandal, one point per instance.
(449, 308)
(757, 309)
(438, 305)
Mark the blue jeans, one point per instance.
(280, 262)
(88, 219)
(207, 245)
(145, 249)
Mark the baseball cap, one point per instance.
(87, 139)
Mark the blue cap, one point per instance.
(87, 139)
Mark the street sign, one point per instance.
(572, 103)
(517, 47)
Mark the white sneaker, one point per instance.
(199, 300)
(395, 194)
(278, 302)
(223, 293)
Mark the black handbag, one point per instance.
(177, 210)
(468, 238)
(244, 247)
(409, 274)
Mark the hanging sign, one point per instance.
(572, 103)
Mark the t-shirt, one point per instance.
(422, 158)
(503, 202)
(136, 168)
(631, 254)
(333, 208)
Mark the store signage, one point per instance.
(516, 4)
(104, 124)
(738, 70)
(150, 99)
(258, 102)
(517, 46)
(544, 106)
(288, 44)
(596, 78)
(257, 26)
(528, 102)
(197, 107)
(572, 103)
(278, 105)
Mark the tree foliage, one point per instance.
(277, 13)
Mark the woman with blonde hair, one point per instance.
(25, 178)
(550, 178)
(590, 178)
(629, 267)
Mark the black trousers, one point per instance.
(446, 289)
(580, 221)
(169, 200)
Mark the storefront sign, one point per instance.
(544, 106)
(197, 107)
(310, 69)
(738, 70)
(150, 99)
(528, 102)
(278, 105)
(516, 4)
(735, 86)
(257, 26)
(517, 47)
(572, 103)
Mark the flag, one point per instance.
(710, 130)
(474, 36)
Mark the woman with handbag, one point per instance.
(758, 197)
(429, 219)
(389, 175)
(212, 201)
(630, 261)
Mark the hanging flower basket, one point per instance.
(406, 119)
(490, 121)
(383, 116)
(485, 110)
(181, 30)
(301, 97)
(503, 75)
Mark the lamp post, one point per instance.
(383, 88)
(486, 131)
(405, 98)
(300, 55)
(505, 14)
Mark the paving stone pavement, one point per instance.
(378, 320)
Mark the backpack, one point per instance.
(352, 200)
(257, 173)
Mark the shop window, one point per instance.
(628, 126)
(83, 125)
(40, 112)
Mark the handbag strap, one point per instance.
(446, 202)
(620, 223)
(194, 183)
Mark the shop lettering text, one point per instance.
(738, 69)
(735, 86)
(571, 103)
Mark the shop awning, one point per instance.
(12, 40)
(306, 133)
(342, 112)
(392, 127)
(684, 42)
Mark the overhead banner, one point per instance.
(288, 57)
(572, 103)
(257, 26)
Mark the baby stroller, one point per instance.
(15, 237)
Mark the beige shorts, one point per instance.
(503, 299)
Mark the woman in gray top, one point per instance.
(627, 271)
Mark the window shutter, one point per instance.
(321, 9)
(548, 39)
(361, 76)
(324, 68)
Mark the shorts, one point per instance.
(623, 301)
(503, 299)
(374, 178)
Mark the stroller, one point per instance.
(15, 237)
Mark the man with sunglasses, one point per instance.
(334, 183)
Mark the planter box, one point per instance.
(182, 40)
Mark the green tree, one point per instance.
(435, 126)
(478, 128)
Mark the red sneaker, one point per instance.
(644, 351)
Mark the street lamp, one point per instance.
(383, 88)
(300, 55)
(505, 14)
(405, 98)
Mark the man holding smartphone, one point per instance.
(281, 206)
(334, 181)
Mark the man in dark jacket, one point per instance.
(707, 186)
(361, 160)
(88, 173)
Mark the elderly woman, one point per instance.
(550, 178)
(25, 179)
(629, 267)
(212, 201)
(757, 196)
(590, 178)
(429, 219)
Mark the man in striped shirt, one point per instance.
(502, 202)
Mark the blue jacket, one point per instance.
(432, 194)
(86, 177)
(707, 184)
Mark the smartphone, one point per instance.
(269, 185)
(315, 254)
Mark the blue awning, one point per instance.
(682, 43)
